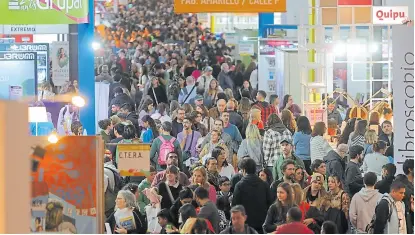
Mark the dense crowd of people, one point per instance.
(227, 157)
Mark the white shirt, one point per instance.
(227, 171)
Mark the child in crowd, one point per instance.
(225, 188)
(165, 222)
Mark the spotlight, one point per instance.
(96, 46)
(53, 138)
(78, 101)
(245, 38)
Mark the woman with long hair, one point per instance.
(277, 212)
(266, 175)
(150, 131)
(244, 108)
(161, 113)
(200, 178)
(357, 137)
(224, 168)
(288, 120)
(245, 89)
(300, 176)
(252, 146)
(374, 122)
(255, 118)
(335, 205)
(211, 93)
(319, 147)
(170, 189)
(147, 109)
(348, 129)
(174, 105)
(288, 103)
(157, 92)
(374, 162)
(207, 121)
(301, 141)
(370, 138)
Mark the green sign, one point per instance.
(44, 11)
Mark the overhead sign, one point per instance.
(354, 2)
(389, 15)
(133, 159)
(19, 29)
(403, 99)
(231, 6)
(43, 11)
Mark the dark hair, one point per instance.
(336, 177)
(238, 208)
(216, 152)
(270, 179)
(408, 164)
(128, 107)
(201, 193)
(396, 185)
(118, 90)
(355, 150)
(360, 128)
(223, 179)
(262, 93)
(289, 190)
(161, 107)
(187, 211)
(129, 132)
(390, 168)
(186, 192)
(285, 100)
(316, 164)
(103, 124)
(147, 103)
(273, 119)
(379, 146)
(222, 96)
(152, 125)
(75, 126)
(303, 125)
(119, 128)
(272, 97)
(389, 151)
(167, 127)
(347, 131)
(295, 214)
(133, 188)
(319, 129)
(249, 165)
(286, 163)
(329, 227)
(173, 169)
(199, 227)
(208, 161)
(223, 204)
(164, 213)
(386, 122)
(370, 179)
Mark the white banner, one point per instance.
(246, 48)
(403, 94)
(389, 15)
(60, 63)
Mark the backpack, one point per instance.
(370, 228)
(166, 147)
(111, 195)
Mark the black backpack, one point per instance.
(370, 228)
(111, 195)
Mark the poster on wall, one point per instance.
(65, 186)
(18, 74)
(42, 50)
(403, 95)
(60, 63)
(133, 159)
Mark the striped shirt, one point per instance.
(319, 148)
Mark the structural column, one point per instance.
(86, 71)
(263, 20)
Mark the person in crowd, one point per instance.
(161, 113)
(333, 113)
(223, 167)
(106, 127)
(274, 100)
(335, 164)
(374, 122)
(224, 188)
(246, 90)
(363, 204)
(252, 193)
(104, 76)
(265, 107)
(188, 140)
(215, 141)
(265, 175)
(197, 123)
(67, 115)
(224, 208)
(234, 117)
(185, 197)
(276, 215)
(126, 218)
(211, 93)
(157, 92)
(205, 79)
(208, 209)
(255, 119)
(319, 166)
(165, 221)
(224, 137)
(300, 176)
(113, 86)
(147, 109)
(172, 159)
(299, 199)
(314, 195)
(347, 130)
(77, 128)
(335, 205)
(294, 223)
(388, 176)
(225, 81)
(239, 226)
(211, 166)
(244, 108)
(374, 162)
(357, 137)
(169, 189)
(288, 171)
(288, 103)
(128, 110)
(188, 93)
(121, 98)
(387, 133)
(207, 121)
(301, 141)
(200, 178)
(177, 123)
(232, 131)
(118, 132)
(390, 211)
(252, 146)
(319, 147)
(353, 176)
(215, 112)
(287, 119)
(150, 132)
(163, 145)
(142, 200)
(370, 138)
(287, 153)
(329, 227)
(272, 138)
(408, 180)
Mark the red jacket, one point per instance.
(293, 228)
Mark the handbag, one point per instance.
(152, 221)
(186, 153)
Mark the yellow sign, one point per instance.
(231, 6)
(133, 159)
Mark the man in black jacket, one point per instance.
(388, 176)
(335, 164)
(354, 179)
(387, 134)
(127, 109)
(120, 99)
(252, 193)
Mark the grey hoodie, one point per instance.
(362, 208)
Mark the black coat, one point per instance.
(140, 222)
(276, 216)
(335, 165)
(160, 95)
(354, 179)
(176, 128)
(385, 138)
(236, 119)
(254, 195)
(385, 184)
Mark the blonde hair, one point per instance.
(229, 93)
(255, 114)
(371, 137)
(252, 132)
(298, 193)
(202, 170)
